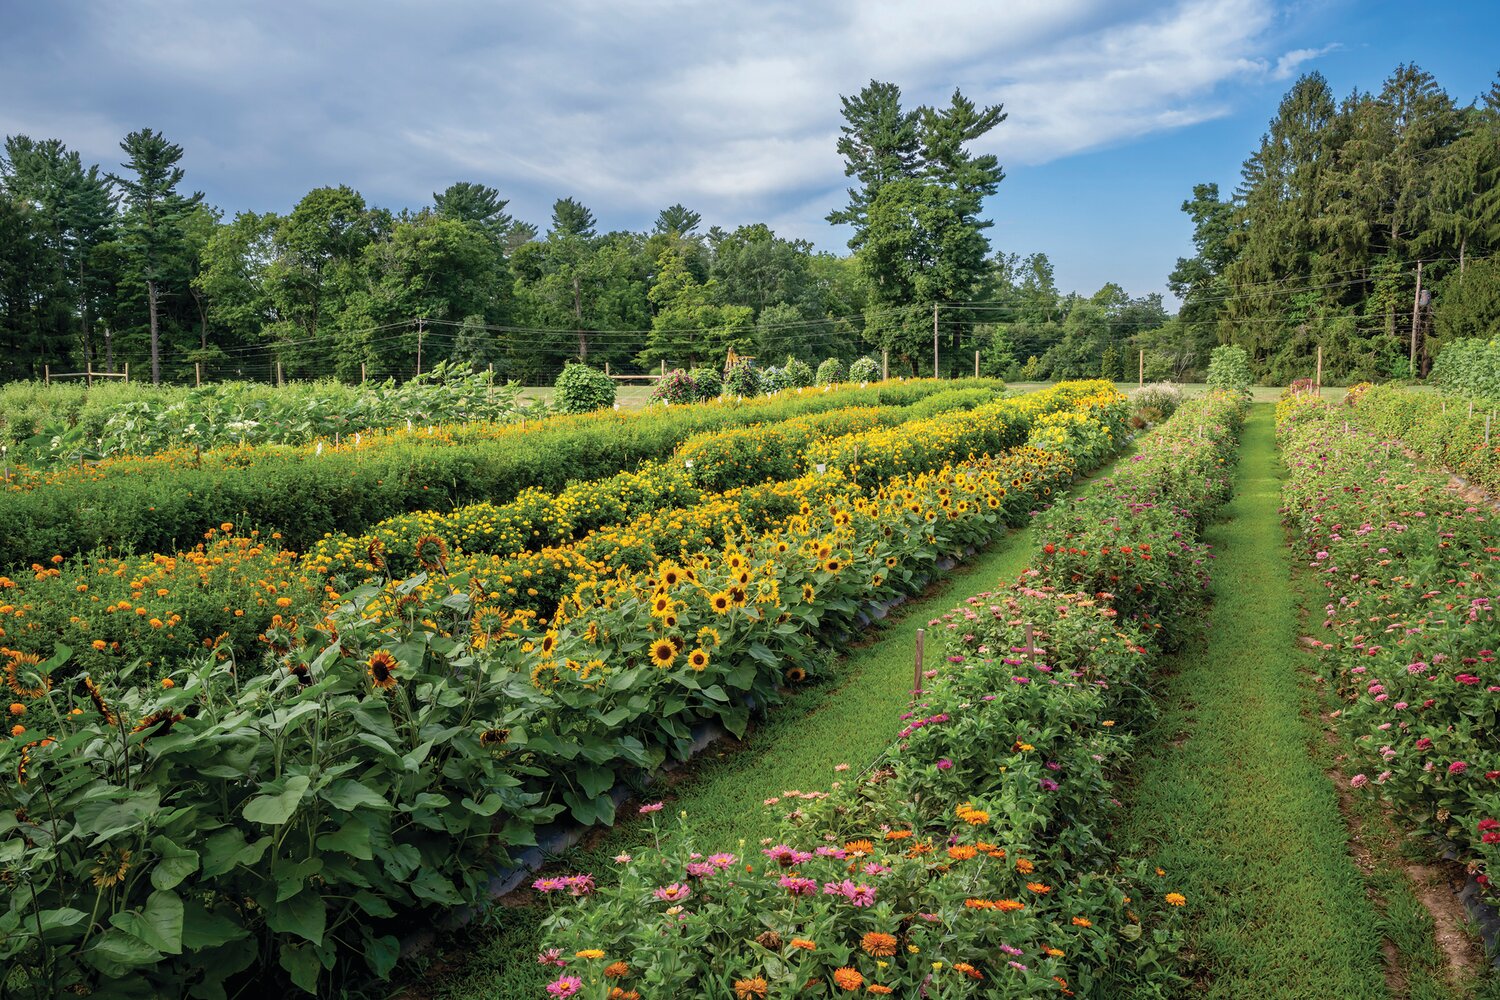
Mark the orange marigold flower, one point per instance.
(878, 945)
(620, 993)
(17, 730)
(1054, 952)
(962, 852)
(617, 970)
(878, 990)
(1024, 866)
(1039, 888)
(16, 708)
(967, 970)
(858, 848)
(1082, 922)
(750, 989)
(979, 904)
(848, 979)
(1176, 899)
(1009, 905)
(898, 835)
(589, 953)
(804, 944)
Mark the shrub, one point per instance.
(582, 389)
(796, 374)
(1157, 401)
(864, 369)
(831, 372)
(1470, 366)
(676, 387)
(1229, 369)
(710, 384)
(742, 380)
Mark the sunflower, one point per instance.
(549, 642)
(808, 593)
(890, 562)
(494, 737)
(109, 870)
(375, 552)
(721, 602)
(158, 723)
(432, 553)
(15, 661)
(661, 606)
(698, 659)
(670, 578)
(796, 675)
(832, 565)
(709, 637)
(663, 653)
(97, 697)
(382, 669)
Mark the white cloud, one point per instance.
(1289, 62)
(628, 105)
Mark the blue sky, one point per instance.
(1117, 107)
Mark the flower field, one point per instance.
(971, 859)
(1410, 630)
(383, 749)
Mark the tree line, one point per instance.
(1367, 226)
(102, 268)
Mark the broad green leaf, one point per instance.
(176, 863)
(158, 925)
(117, 954)
(204, 928)
(353, 839)
(301, 963)
(349, 795)
(276, 807)
(305, 915)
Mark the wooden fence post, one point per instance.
(361, 373)
(885, 365)
(917, 670)
(197, 374)
(279, 380)
(1318, 382)
(976, 364)
(1140, 376)
(88, 374)
(1030, 652)
(46, 374)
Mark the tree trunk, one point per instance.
(155, 342)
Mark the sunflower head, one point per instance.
(722, 602)
(375, 552)
(698, 659)
(494, 737)
(796, 675)
(382, 669)
(663, 652)
(22, 677)
(432, 553)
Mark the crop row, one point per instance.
(167, 501)
(974, 860)
(176, 835)
(1411, 628)
(1451, 432)
(241, 596)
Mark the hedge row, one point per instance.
(1447, 431)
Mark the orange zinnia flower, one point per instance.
(750, 989)
(878, 945)
(848, 979)
(1009, 905)
(1176, 899)
(962, 852)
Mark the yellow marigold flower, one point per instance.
(1176, 899)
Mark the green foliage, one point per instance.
(1229, 369)
(795, 374)
(741, 380)
(864, 369)
(583, 389)
(709, 382)
(1470, 367)
(677, 386)
(831, 372)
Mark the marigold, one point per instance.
(750, 989)
(962, 852)
(878, 945)
(1009, 905)
(848, 979)
(1082, 922)
(858, 848)
(1024, 866)
(589, 953)
(1176, 899)
(804, 944)
(967, 970)
(1039, 888)
(878, 990)
(898, 835)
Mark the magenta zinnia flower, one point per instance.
(674, 893)
(565, 987)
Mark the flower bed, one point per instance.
(1446, 431)
(971, 861)
(1411, 629)
(173, 834)
(167, 501)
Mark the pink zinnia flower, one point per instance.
(579, 885)
(674, 893)
(552, 956)
(944, 764)
(549, 885)
(653, 807)
(1359, 781)
(565, 987)
(721, 860)
(1458, 767)
(861, 895)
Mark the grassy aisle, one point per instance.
(1232, 799)
(796, 747)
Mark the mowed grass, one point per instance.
(1231, 795)
(851, 720)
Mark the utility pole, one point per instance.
(1416, 312)
(934, 341)
(420, 321)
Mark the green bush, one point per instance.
(1229, 369)
(581, 389)
(796, 374)
(864, 369)
(742, 380)
(831, 372)
(677, 386)
(1469, 366)
(710, 384)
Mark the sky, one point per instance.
(1115, 108)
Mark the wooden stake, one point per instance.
(279, 381)
(606, 367)
(917, 670)
(976, 364)
(1140, 377)
(127, 373)
(934, 341)
(663, 367)
(1030, 651)
(1318, 381)
(197, 374)
(361, 373)
(1416, 312)
(89, 374)
(885, 365)
(46, 374)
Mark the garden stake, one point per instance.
(917, 670)
(1030, 642)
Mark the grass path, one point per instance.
(1232, 795)
(722, 791)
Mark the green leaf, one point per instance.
(305, 915)
(431, 886)
(381, 954)
(227, 849)
(353, 839)
(63, 919)
(276, 807)
(595, 779)
(204, 928)
(117, 954)
(158, 925)
(301, 963)
(289, 881)
(487, 806)
(176, 863)
(349, 795)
